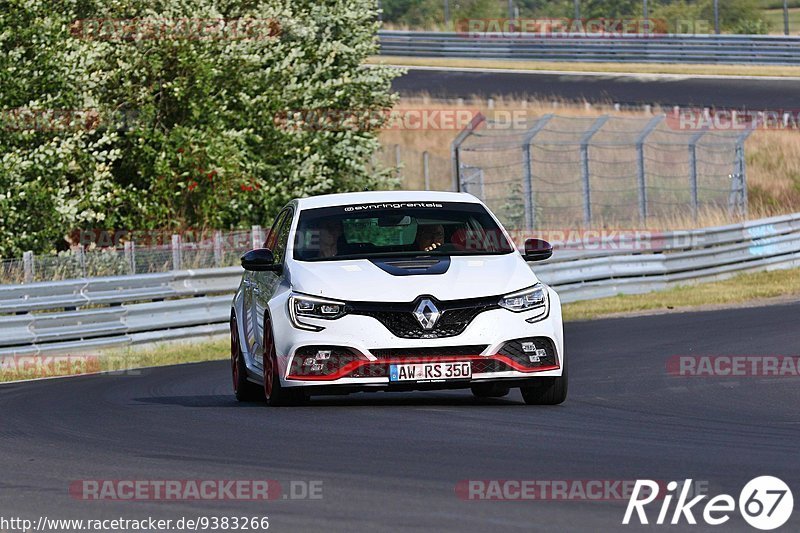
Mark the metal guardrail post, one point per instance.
(587, 192)
(648, 129)
(693, 172)
(530, 204)
(476, 121)
(426, 171)
(27, 266)
(218, 248)
(177, 259)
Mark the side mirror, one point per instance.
(260, 260)
(537, 250)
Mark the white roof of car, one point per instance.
(371, 197)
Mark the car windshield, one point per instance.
(397, 229)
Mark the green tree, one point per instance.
(197, 127)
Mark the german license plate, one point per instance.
(430, 371)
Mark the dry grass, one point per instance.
(627, 68)
(773, 157)
(744, 288)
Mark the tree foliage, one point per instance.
(189, 127)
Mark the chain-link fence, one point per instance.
(414, 169)
(182, 251)
(559, 171)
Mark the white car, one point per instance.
(394, 291)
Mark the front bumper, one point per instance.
(362, 351)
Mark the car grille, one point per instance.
(399, 318)
(427, 352)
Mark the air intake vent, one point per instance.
(413, 263)
(413, 266)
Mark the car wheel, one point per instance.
(243, 389)
(489, 390)
(546, 391)
(275, 393)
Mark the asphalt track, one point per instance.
(391, 462)
(737, 93)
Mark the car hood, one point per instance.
(361, 280)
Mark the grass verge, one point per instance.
(628, 68)
(122, 360)
(741, 289)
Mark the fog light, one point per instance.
(316, 367)
(323, 355)
(308, 361)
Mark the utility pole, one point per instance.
(577, 9)
(447, 12)
(716, 17)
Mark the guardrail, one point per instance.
(72, 315)
(634, 48)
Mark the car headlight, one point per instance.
(530, 299)
(301, 305)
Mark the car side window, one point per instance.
(282, 236)
(272, 236)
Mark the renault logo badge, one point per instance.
(427, 314)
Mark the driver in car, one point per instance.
(429, 237)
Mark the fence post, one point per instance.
(476, 121)
(587, 193)
(27, 266)
(739, 180)
(648, 129)
(426, 171)
(218, 248)
(693, 172)
(786, 17)
(176, 252)
(398, 161)
(256, 237)
(130, 256)
(81, 256)
(530, 204)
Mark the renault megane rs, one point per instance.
(394, 291)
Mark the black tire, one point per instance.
(546, 391)
(276, 394)
(489, 390)
(243, 389)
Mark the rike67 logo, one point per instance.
(765, 503)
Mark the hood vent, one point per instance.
(415, 266)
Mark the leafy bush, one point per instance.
(185, 130)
